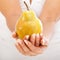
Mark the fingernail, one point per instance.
(41, 34)
(33, 34)
(37, 35)
(19, 41)
(27, 36)
(25, 41)
(46, 41)
(42, 42)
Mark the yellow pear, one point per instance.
(28, 24)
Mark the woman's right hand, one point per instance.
(31, 45)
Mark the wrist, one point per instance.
(48, 29)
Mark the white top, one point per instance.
(36, 5)
(8, 50)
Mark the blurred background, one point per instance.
(8, 50)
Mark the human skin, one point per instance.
(49, 16)
(11, 10)
(50, 12)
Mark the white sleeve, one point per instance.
(23, 5)
(37, 6)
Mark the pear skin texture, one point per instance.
(28, 24)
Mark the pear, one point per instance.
(28, 24)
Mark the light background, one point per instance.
(8, 50)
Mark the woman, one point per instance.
(48, 16)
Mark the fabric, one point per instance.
(8, 50)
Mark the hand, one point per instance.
(31, 45)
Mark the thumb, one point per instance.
(14, 35)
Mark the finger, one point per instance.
(44, 41)
(19, 48)
(36, 50)
(37, 40)
(41, 49)
(41, 37)
(25, 48)
(32, 39)
(14, 35)
(30, 45)
(26, 37)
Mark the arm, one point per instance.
(11, 10)
(49, 15)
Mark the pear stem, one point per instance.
(26, 5)
(30, 1)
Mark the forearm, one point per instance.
(11, 21)
(11, 10)
(49, 15)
